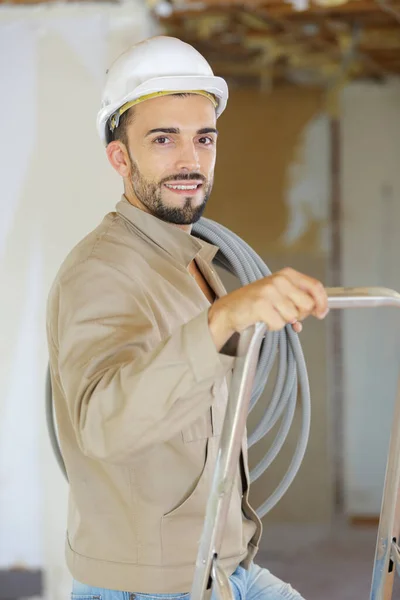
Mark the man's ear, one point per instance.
(118, 157)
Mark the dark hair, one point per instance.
(121, 132)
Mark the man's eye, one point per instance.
(161, 140)
(206, 141)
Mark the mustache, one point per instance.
(184, 177)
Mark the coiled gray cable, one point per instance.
(237, 257)
(241, 260)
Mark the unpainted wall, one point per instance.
(272, 188)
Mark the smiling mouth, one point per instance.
(188, 188)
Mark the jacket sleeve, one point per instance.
(126, 387)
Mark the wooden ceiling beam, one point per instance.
(354, 7)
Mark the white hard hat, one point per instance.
(157, 66)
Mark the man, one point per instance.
(139, 327)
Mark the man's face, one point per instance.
(172, 147)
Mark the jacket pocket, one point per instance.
(200, 429)
(210, 424)
(218, 408)
(181, 528)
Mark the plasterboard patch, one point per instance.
(308, 189)
(18, 110)
(20, 489)
(88, 39)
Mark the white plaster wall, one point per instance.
(56, 186)
(371, 250)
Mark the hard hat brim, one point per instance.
(179, 83)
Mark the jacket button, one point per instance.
(214, 390)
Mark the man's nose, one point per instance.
(188, 159)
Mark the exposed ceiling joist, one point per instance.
(358, 38)
(301, 41)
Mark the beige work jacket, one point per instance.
(140, 393)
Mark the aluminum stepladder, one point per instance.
(209, 575)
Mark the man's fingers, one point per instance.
(302, 303)
(313, 288)
(297, 327)
(287, 310)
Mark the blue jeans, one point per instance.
(254, 584)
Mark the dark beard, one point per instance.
(149, 195)
(186, 215)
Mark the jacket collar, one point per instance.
(179, 244)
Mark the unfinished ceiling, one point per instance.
(270, 41)
(266, 42)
